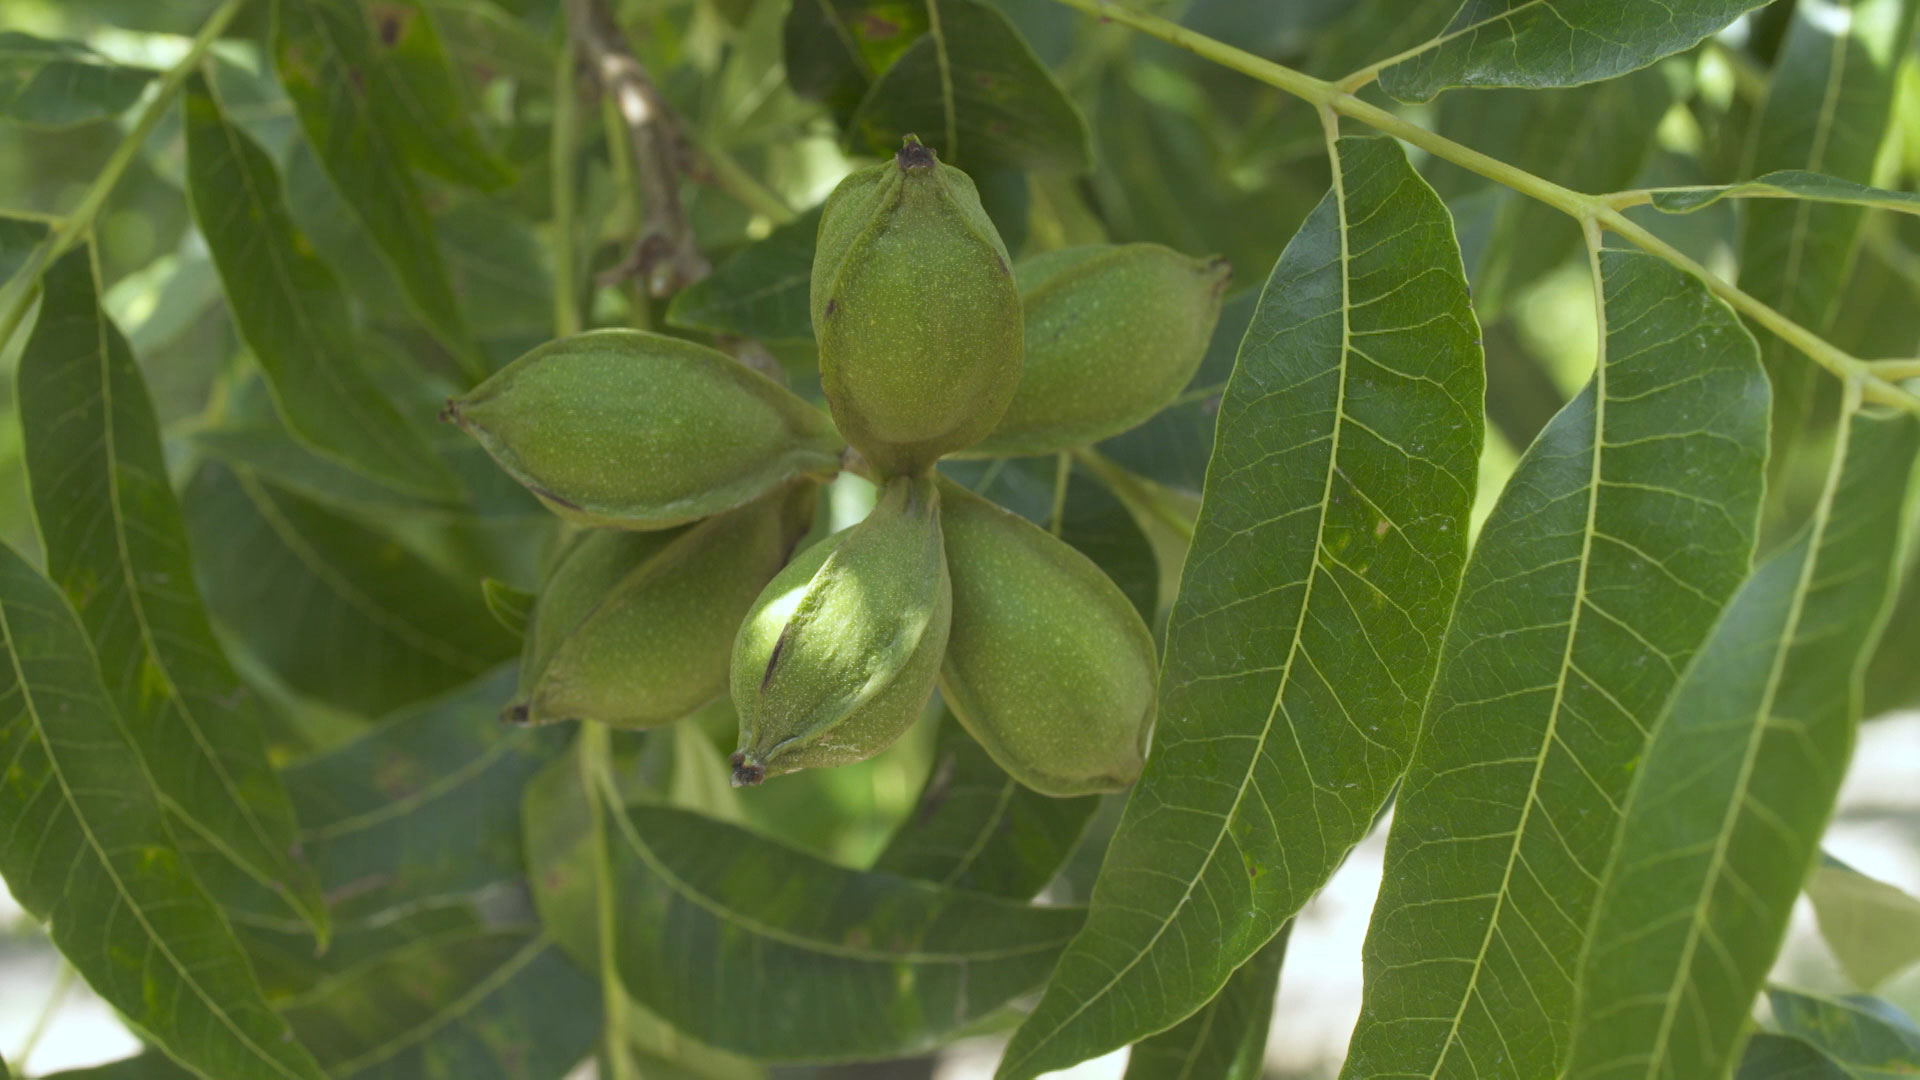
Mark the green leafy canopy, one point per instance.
(1541, 511)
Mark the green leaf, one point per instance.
(509, 606)
(756, 948)
(1323, 568)
(1546, 43)
(147, 1066)
(480, 36)
(972, 89)
(54, 84)
(340, 611)
(85, 850)
(1782, 1057)
(1867, 1037)
(836, 48)
(117, 547)
(1826, 111)
(19, 238)
(1893, 679)
(439, 967)
(976, 828)
(1615, 545)
(421, 101)
(326, 61)
(292, 313)
(1872, 928)
(1228, 1038)
(757, 292)
(1726, 806)
(1787, 184)
(1588, 138)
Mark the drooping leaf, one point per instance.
(85, 849)
(148, 1066)
(292, 313)
(422, 102)
(1893, 680)
(1724, 813)
(972, 89)
(1872, 928)
(440, 967)
(1826, 111)
(1323, 567)
(324, 53)
(1788, 184)
(976, 828)
(1588, 138)
(117, 547)
(757, 292)
(1619, 538)
(1869, 1038)
(53, 84)
(340, 611)
(756, 948)
(1228, 1037)
(1547, 43)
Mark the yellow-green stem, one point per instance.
(69, 230)
(595, 761)
(1339, 98)
(566, 139)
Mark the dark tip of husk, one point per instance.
(450, 414)
(913, 154)
(516, 714)
(746, 774)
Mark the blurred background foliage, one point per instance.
(356, 609)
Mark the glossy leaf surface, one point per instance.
(52, 84)
(1721, 822)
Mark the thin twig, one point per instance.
(665, 256)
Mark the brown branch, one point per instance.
(665, 257)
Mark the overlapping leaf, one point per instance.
(976, 828)
(1867, 1037)
(292, 313)
(440, 968)
(1826, 111)
(85, 849)
(117, 547)
(1618, 539)
(955, 72)
(1727, 803)
(1323, 568)
(1228, 1038)
(1546, 43)
(324, 53)
(759, 949)
(341, 611)
(53, 84)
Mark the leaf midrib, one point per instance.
(1789, 631)
(158, 943)
(785, 937)
(1286, 670)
